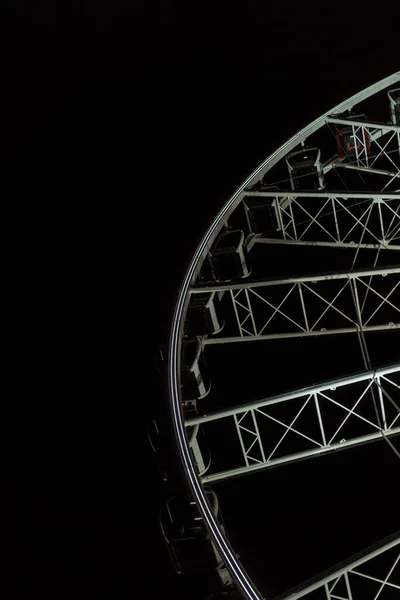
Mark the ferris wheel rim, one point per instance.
(218, 537)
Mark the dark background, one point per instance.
(123, 131)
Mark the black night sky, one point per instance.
(124, 129)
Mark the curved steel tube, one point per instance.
(237, 571)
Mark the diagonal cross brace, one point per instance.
(319, 442)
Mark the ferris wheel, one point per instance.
(307, 251)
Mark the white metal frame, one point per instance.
(392, 104)
(345, 576)
(247, 419)
(241, 578)
(367, 133)
(294, 220)
(254, 326)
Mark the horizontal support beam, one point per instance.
(339, 161)
(349, 123)
(301, 279)
(311, 389)
(372, 437)
(291, 226)
(299, 334)
(257, 239)
(332, 162)
(342, 195)
(368, 170)
(321, 392)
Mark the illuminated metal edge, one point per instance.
(338, 382)
(373, 272)
(280, 200)
(332, 194)
(333, 574)
(379, 126)
(254, 407)
(243, 581)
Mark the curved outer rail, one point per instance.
(243, 581)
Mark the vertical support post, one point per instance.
(251, 312)
(292, 217)
(241, 439)
(258, 435)
(335, 217)
(321, 425)
(384, 422)
(236, 312)
(328, 596)
(363, 129)
(355, 144)
(363, 345)
(378, 202)
(348, 587)
(303, 307)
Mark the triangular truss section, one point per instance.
(337, 414)
(373, 574)
(365, 220)
(331, 303)
(384, 139)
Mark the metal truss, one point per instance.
(329, 116)
(364, 407)
(369, 409)
(365, 133)
(345, 296)
(306, 218)
(359, 578)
